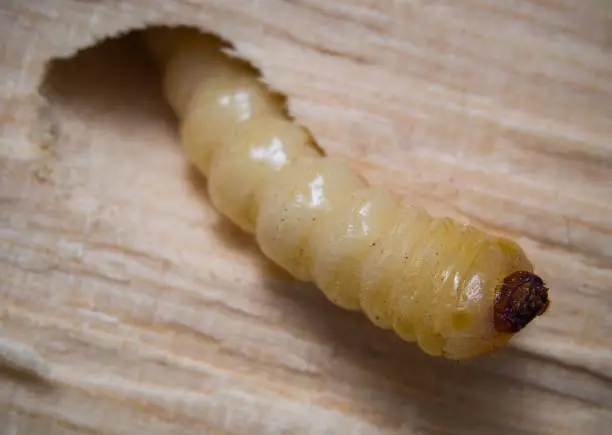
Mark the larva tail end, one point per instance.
(521, 297)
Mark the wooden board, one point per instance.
(153, 315)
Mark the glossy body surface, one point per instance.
(431, 280)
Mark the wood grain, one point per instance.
(153, 315)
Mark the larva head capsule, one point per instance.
(498, 296)
(521, 297)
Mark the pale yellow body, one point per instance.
(431, 280)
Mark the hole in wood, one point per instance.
(122, 73)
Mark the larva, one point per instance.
(453, 289)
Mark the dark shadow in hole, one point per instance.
(402, 387)
(116, 73)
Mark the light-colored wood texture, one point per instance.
(153, 315)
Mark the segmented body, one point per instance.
(431, 280)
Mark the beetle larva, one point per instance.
(452, 288)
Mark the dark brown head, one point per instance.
(520, 298)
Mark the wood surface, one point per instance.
(129, 306)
